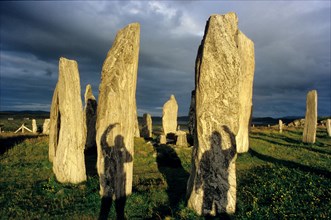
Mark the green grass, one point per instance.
(279, 178)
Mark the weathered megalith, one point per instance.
(116, 114)
(90, 117)
(136, 126)
(146, 130)
(328, 126)
(309, 131)
(67, 129)
(191, 114)
(34, 126)
(54, 125)
(280, 125)
(181, 139)
(163, 139)
(46, 126)
(211, 187)
(169, 116)
(247, 66)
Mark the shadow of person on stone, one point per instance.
(217, 175)
(113, 181)
(169, 164)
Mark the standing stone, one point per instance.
(309, 131)
(67, 130)
(90, 117)
(280, 124)
(54, 125)
(247, 66)
(211, 187)
(34, 126)
(117, 114)
(46, 126)
(181, 139)
(191, 114)
(169, 116)
(328, 126)
(136, 126)
(163, 139)
(147, 128)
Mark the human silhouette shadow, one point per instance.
(114, 179)
(214, 176)
(169, 164)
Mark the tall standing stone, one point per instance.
(247, 67)
(328, 126)
(67, 136)
(117, 114)
(34, 126)
(136, 125)
(54, 125)
(146, 130)
(191, 114)
(169, 116)
(46, 126)
(309, 131)
(90, 117)
(280, 125)
(211, 187)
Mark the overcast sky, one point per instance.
(292, 50)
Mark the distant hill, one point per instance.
(24, 114)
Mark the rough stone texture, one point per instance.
(163, 139)
(280, 125)
(191, 114)
(247, 66)
(67, 130)
(169, 116)
(309, 131)
(146, 130)
(90, 117)
(136, 123)
(328, 126)
(117, 114)
(54, 125)
(211, 187)
(46, 126)
(181, 139)
(34, 126)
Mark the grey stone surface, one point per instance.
(211, 187)
(163, 139)
(67, 126)
(247, 67)
(191, 114)
(46, 126)
(169, 116)
(147, 127)
(309, 131)
(117, 114)
(181, 139)
(34, 126)
(328, 126)
(280, 126)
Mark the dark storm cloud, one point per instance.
(292, 48)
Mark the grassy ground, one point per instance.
(279, 178)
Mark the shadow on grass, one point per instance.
(170, 166)
(6, 143)
(290, 164)
(294, 144)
